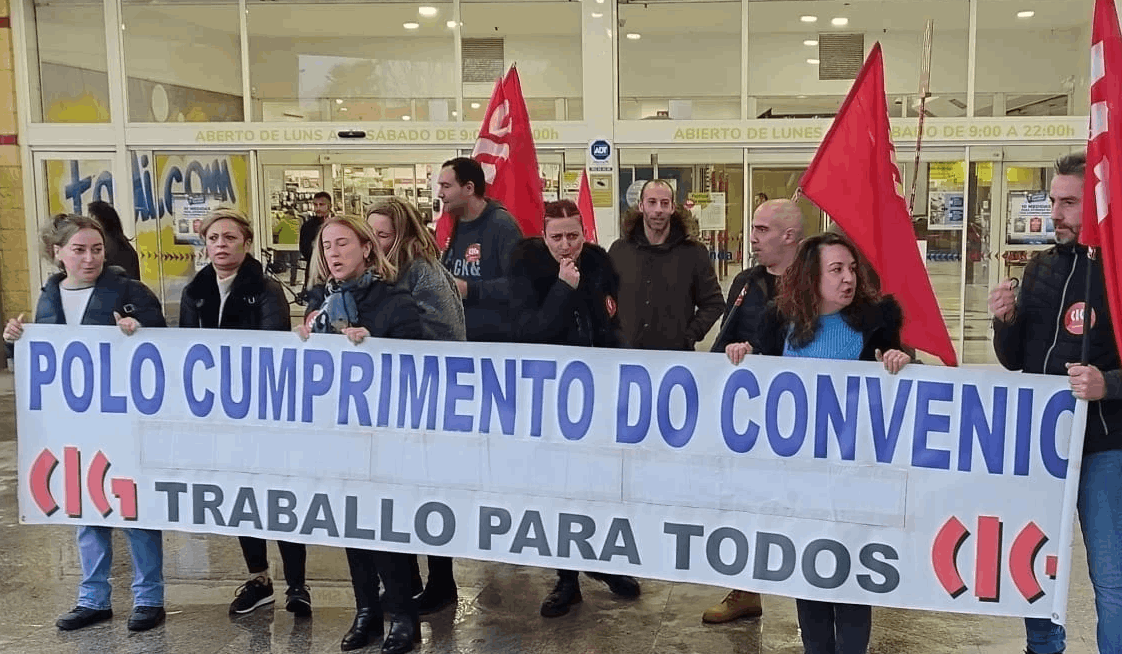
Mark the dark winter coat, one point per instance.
(255, 301)
(545, 309)
(743, 314)
(119, 252)
(113, 291)
(384, 310)
(1044, 336)
(879, 325)
(669, 296)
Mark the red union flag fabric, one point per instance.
(505, 149)
(587, 212)
(854, 178)
(1102, 182)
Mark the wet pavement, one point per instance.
(497, 610)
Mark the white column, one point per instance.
(599, 65)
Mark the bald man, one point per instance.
(777, 228)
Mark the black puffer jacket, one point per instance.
(545, 309)
(1046, 334)
(879, 324)
(743, 314)
(113, 291)
(255, 301)
(385, 311)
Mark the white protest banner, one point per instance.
(936, 488)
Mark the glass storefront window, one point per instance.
(542, 36)
(803, 56)
(679, 60)
(67, 61)
(344, 62)
(1048, 79)
(191, 73)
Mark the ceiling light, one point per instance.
(342, 108)
(454, 114)
(410, 26)
(407, 118)
(427, 12)
(801, 97)
(839, 22)
(634, 36)
(1025, 14)
(810, 42)
(338, 100)
(812, 61)
(809, 19)
(475, 105)
(451, 24)
(597, 14)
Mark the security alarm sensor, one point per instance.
(352, 134)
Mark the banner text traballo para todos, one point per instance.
(935, 488)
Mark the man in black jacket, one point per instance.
(1041, 331)
(777, 228)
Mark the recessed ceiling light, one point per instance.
(407, 118)
(342, 108)
(839, 22)
(801, 97)
(810, 42)
(597, 14)
(410, 26)
(454, 114)
(634, 36)
(812, 61)
(427, 12)
(1025, 14)
(809, 19)
(451, 24)
(475, 105)
(338, 100)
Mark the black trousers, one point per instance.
(831, 628)
(294, 557)
(395, 571)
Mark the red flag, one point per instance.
(854, 178)
(587, 213)
(505, 149)
(1102, 181)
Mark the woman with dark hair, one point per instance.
(563, 292)
(87, 292)
(353, 295)
(119, 252)
(232, 292)
(828, 308)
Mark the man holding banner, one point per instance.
(1041, 331)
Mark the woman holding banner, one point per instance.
(87, 292)
(353, 295)
(563, 292)
(410, 247)
(232, 292)
(828, 307)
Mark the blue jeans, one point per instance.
(95, 552)
(1100, 518)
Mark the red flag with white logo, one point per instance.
(854, 178)
(505, 149)
(587, 212)
(1102, 181)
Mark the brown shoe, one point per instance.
(737, 604)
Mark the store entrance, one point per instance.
(355, 181)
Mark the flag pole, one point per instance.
(924, 93)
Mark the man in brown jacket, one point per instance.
(668, 293)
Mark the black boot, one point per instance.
(565, 594)
(367, 627)
(620, 585)
(435, 597)
(404, 631)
